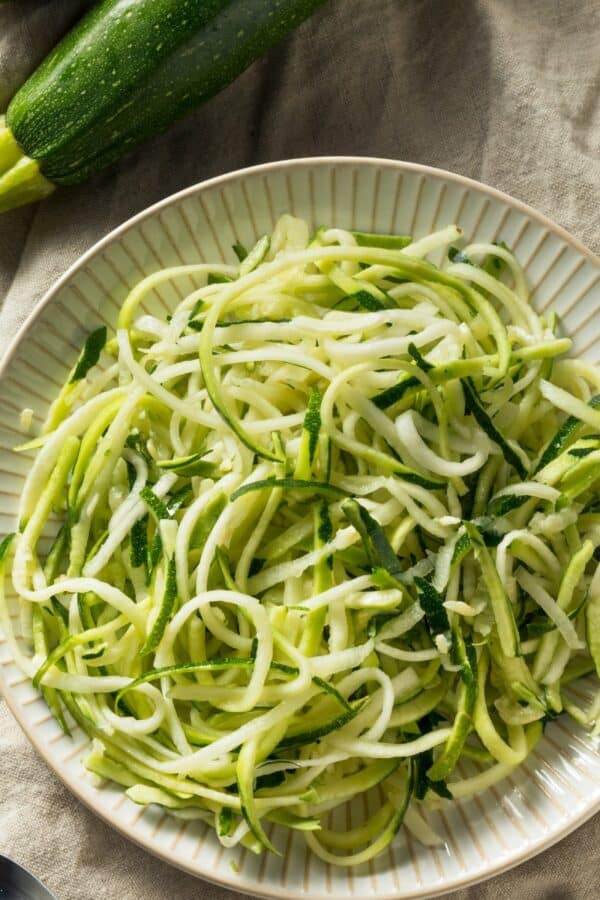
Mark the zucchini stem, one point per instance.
(21, 180)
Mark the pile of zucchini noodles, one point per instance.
(330, 527)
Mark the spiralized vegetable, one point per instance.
(329, 527)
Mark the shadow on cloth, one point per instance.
(417, 73)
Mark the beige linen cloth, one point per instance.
(505, 91)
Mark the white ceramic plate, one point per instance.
(559, 787)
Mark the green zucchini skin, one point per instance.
(130, 68)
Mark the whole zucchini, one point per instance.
(125, 72)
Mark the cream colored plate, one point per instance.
(559, 787)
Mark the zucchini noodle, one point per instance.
(329, 528)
